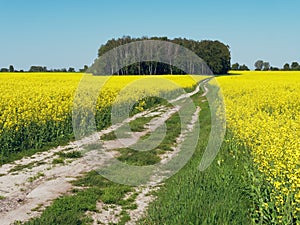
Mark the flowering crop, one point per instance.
(36, 108)
(263, 111)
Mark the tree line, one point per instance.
(261, 65)
(214, 53)
(43, 69)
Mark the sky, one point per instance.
(68, 33)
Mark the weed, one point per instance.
(37, 176)
(58, 161)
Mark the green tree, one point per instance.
(286, 67)
(244, 67)
(38, 69)
(235, 66)
(4, 70)
(11, 68)
(266, 66)
(214, 53)
(274, 68)
(71, 70)
(295, 66)
(85, 68)
(259, 64)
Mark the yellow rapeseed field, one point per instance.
(36, 108)
(263, 111)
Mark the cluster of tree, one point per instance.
(294, 66)
(214, 53)
(237, 66)
(261, 65)
(43, 69)
(10, 69)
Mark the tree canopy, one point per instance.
(214, 53)
(237, 66)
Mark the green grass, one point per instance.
(37, 176)
(13, 156)
(25, 166)
(125, 218)
(109, 136)
(138, 125)
(71, 209)
(63, 156)
(219, 195)
(151, 157)
(121, 132)
(138, 158)
(58, 161)
(71, 155)
(38, 208)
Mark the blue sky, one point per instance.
(63, 33)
